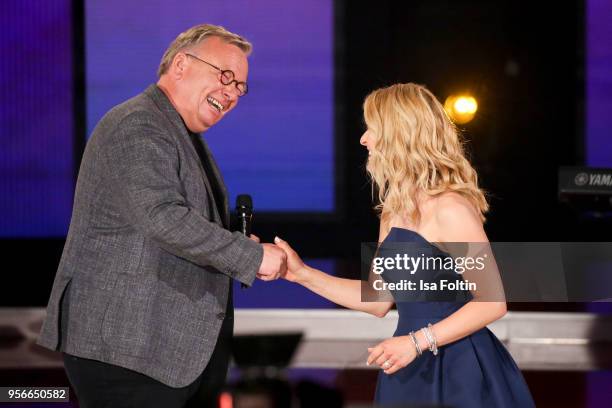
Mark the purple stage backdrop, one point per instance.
(598, 139)
(599, 83)
(36, 118)
(278, 144)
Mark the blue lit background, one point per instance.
(278, 144)
(36, 118)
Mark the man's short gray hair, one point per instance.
(196, 35)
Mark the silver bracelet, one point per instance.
(431, 339)
(416, 343)
(427, 338)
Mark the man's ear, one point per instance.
(177, 68)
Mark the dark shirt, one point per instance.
(198, 144)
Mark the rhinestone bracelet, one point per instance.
(431, 339)
(416, 343)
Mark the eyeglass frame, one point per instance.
(222, 72)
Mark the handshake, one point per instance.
(279, 261)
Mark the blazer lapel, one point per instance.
(162, 101)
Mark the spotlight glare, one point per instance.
(465, 104)
(461, 108)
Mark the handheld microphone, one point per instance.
(244, 209)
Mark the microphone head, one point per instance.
(244, 201)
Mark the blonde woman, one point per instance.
(441, 352)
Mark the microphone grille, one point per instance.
(244, 200)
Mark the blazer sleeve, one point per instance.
(143, 163)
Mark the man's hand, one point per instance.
(274, 263)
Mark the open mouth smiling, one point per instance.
(215, 104)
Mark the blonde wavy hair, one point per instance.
(417, 151)
(195, 35)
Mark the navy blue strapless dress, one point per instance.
(476, 371)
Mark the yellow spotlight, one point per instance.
(461, 108)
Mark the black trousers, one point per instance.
(102, 385)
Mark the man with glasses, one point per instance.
(141, 305)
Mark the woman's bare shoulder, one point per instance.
(457, 220)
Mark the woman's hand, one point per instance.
(295, 266)
(392, 354)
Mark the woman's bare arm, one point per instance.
(458, 222)
(345, 292)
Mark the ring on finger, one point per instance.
(386, 365)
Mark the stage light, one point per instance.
(461, 108)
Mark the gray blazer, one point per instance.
(147, 260)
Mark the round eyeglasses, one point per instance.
(227, 77)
